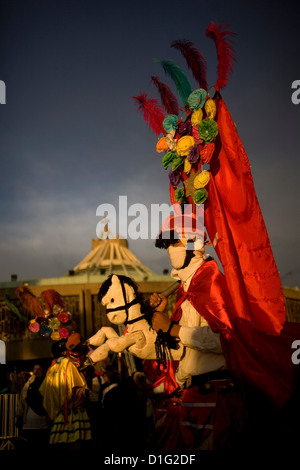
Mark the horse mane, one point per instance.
(146, 309)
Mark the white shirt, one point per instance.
(203, 352)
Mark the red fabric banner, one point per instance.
(233, 212)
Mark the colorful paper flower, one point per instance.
(161, 145)
(45, 331)
(187, 166)
(170, 141)
(34, 327)
(202, 179)
(55, 336)
(207, 152)
(193, 155)
(197, 99)
(168, 159)
(179, 195)
(196, 117)
(54, 324)
(184, 144)
(185, 128)
(196, 134)
(200, 196)
(63, 317)
(170, 122)
(63, 333)
(174, 178)
(208, 129)
(210, 108)
(177, 163)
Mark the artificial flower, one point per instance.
(179, 195)
(197, 99)
(200, 196)
(161, 145)
(170, 141)
(45, 331)
(185, 128)
(63, 317)
(207, 152)
(55, 336)
(196, 134)
(184, 144)
(208, 129)
(210, 108)
(196, 117)
(170, 122)
(63, 333)
(177, 163)
(54, 324)
(168, 159)
(174, 178)
(187, 166)
(201, 179)
(193, 154)
(34, 327)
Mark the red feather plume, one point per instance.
(195, 60)
(225, 51)
(168, 99)
(51, 298)
(29, 301)
(152, 112)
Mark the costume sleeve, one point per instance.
(201, 338)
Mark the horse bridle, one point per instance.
(126, 306)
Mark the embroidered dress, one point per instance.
(64, 394)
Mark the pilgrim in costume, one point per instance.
(245, 306)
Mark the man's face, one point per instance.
(38, 371)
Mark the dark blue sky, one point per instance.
(71, 137)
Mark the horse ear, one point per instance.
(114, 279)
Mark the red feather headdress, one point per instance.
(195, 60)
(51, 298)
(29, 301)
(168, 99)
(152, 112)
(225, 51)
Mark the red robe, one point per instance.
(256, 359)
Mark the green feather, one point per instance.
(14, 309)
(179, 78)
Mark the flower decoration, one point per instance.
(168, 159)
(207, 152)
(187, 166)
(208, 129)
(54, 323)
(174, 178)
(179, 195)
(200, 196)
(197, 99)
(184, 144)
(34, 327)
(185, 128)
(196, 134)
(177, 163)
(161, 145)
(63, 333)
(193, 155)
(46, 331)
(196, 117)
(170, 122)
(210, 108)
(55, 336)
(170, 141)
(63, 317)
(202, 179)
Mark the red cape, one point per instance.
(255, 358)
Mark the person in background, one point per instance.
(31, 416)
(64, 394)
